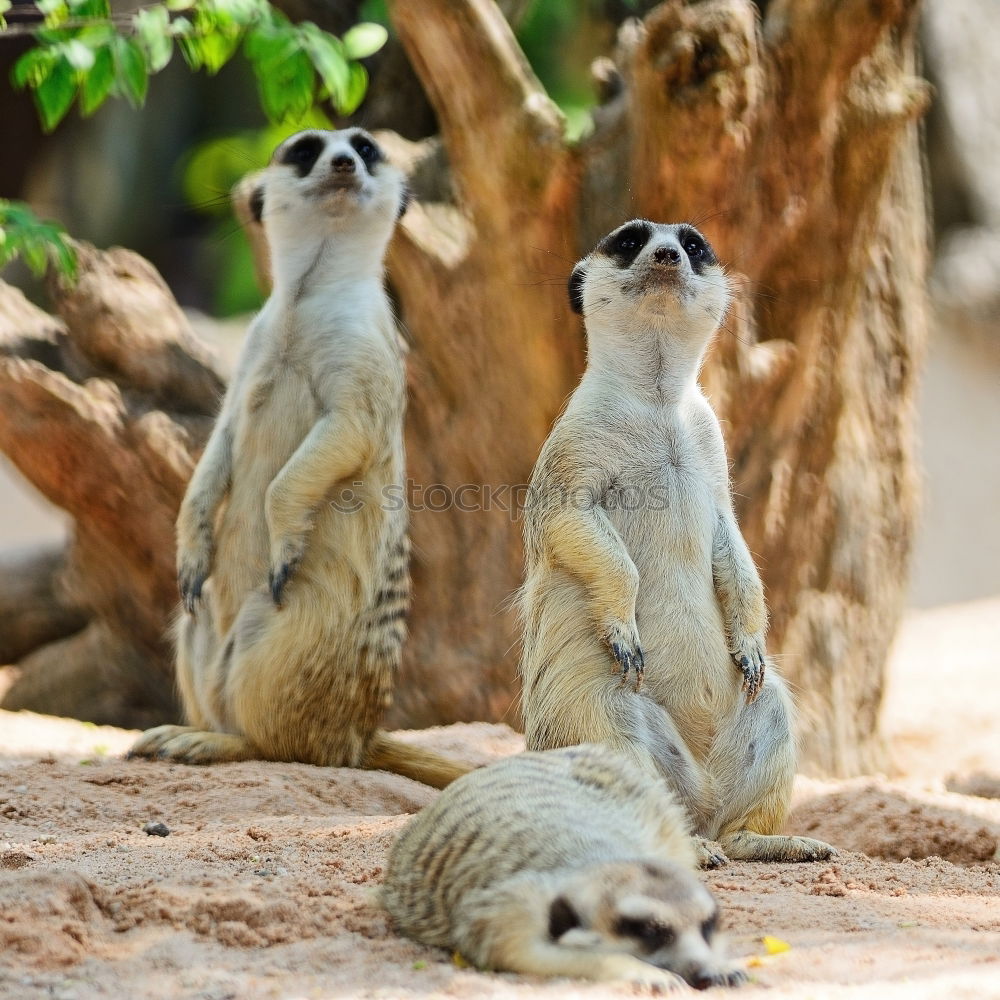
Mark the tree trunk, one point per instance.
(792, 142)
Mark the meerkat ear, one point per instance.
(562, 917)
(404, 201)
(576, 288)
(257, 203)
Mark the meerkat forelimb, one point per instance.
(571, 862)
(649, 576)
(293, 563)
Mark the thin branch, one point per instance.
(490, 105)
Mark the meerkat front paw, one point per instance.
(710, 853)
(286, 554)
(748, 654)
(193, 568)
(623, 641)
(657, 981)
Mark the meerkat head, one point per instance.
(656, 911)
(648, 275)
(321, 185)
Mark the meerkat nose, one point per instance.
(343, 164)
(667, 255)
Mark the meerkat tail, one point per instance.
(384, 753)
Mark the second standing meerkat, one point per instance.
(293, 568)
(636, 565)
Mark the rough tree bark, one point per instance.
(792, 141)
(103, 409)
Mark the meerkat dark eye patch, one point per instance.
(708, 926)
(257, 203)
(625, 245)
(697, 248)
(365, 148)
(562, 917)
(651, 934)
(576, 288)
(303, 154)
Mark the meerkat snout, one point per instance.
(343, 164)
(667, 255)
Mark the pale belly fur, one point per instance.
(677, 612)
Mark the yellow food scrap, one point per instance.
(459, 961)
(774, 946)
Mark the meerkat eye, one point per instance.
(651, 933)
(627, 242)
(694, 248)
(697, 249)
(302, 155)
(624, 246)
(366, 149)
(708, 926)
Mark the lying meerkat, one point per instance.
(293, 571)
(630, 534)
(571, 862)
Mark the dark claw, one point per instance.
(278, 579)
(629, 661)
(190, 591)
(753, 674)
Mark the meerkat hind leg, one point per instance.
(753, 766)
(151, 741)
(189, 745)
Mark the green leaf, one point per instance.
(5, 6)
(240, 12)
(34, 256)
(217, 48)
(98, 82)
(22, 234)
(357, 87)
(64, 257)
(51, 8)
(364, 40)
(326, 54)
(130, 70)
(90, 9)
(55, 94)
(33, 67)
(152, 29)
(286, 89)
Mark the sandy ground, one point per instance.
(265, 885)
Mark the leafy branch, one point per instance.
(86, 53)
(23, 234)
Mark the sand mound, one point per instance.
(887, 821)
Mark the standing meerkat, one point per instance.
(571, 862)
(292, 567)
(636, 565)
